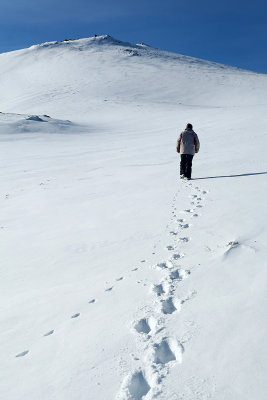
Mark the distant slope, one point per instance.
(80, 74)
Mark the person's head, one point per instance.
(189, 126)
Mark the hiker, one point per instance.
(187, 145)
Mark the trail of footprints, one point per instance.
(159, 351)
(76, 315)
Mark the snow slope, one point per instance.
(118, 280)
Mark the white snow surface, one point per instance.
(119, 280)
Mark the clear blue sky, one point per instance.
(232, 32)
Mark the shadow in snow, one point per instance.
(231, 176)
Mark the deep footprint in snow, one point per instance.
(167, 306)
(91, 301)
(119, 279)
(145, 325)
(173, 233)
(158, 289)
(163, 353)
(175, 275)
(23, 353)
(109, 289)
(135, 387)
(49, 333)
(169, 349)
(142, 326)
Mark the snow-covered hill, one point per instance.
(119, 281)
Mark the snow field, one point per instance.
(118, 280)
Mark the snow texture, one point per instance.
(118, 279)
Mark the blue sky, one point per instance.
(231, 32)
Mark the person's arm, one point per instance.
(196, 143)
(179, 144)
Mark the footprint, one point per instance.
(170, 248)
(180, 220)
(75, 315)
(158, 289)
(49, 333)
(119, 279)
(23, 353)
(91, 301)
(168, 350)
(134, 387)
(177, 256)
(189, 210)
(185, 226)
(135, 269)
(175, 275)
(199, 206)
(163, 353)
(145, 325)
(109, 289)
(142, 326)
(184, 239)
(195, 215)
(167, 306)
(164, 265)
(173, 233)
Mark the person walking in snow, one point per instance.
(187, 145)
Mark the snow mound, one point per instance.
(35, 118)
(21, 123)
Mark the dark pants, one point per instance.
(186, 165)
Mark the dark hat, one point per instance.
(189, 126)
